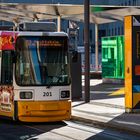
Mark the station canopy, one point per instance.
(99, 14)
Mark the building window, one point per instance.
(134, 2)
(125, 3)
(112, 32)
(122, 30)
(102, 33)
(115, 31)
(90, 35)
(83, 35)
(118, 30)
(109, 32)
(129, 2)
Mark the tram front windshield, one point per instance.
(42, 61)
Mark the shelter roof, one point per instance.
(18, 12)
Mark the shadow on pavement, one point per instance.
(103, 91)
(10, 130)
(100, 93)
(125, 127)
(106, 110)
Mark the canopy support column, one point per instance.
(86, 44)
(96, 47)
(59, 23)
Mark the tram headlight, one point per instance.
(65, 94)
(26, 95)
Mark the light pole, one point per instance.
(86, 44)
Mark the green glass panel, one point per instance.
(98, 8)
(113, 57)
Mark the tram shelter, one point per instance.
(98, 15)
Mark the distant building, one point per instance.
(110, 29)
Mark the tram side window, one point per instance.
(6, 68)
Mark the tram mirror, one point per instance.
(74, 56)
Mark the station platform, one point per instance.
(106, 108)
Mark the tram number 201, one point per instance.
(47, 94)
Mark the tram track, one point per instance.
(65, 130)
(81, 128)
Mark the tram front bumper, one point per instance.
(44, 111)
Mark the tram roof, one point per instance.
(19, 12)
